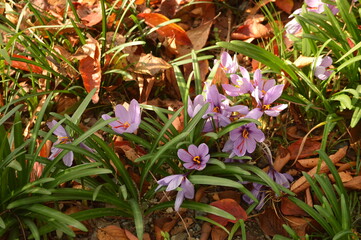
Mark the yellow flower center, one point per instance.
(245, 133)
(197, 159)
(64, 139)
(266, 107)
(216, 109)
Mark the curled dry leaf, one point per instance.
(301, 183)
(170, 30)
(353, 184)
(24, 65)
(90, 14)
(252, 28)
(89, 66)
(164, 224)
(345, 177)
(289, 208)
(303, 61)
(111, 232)
(151, 65)
(282, 158)
(309, 162)
(285, 5)
(206, 231)
(271, 223)
(299, 224)
(230, 206)
(308, 148)
(218, 233)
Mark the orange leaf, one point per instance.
(111, 232)
(172, 30)
(24, 65)
(89, 67)
(285, 5)
(307, 150)
(230, 206)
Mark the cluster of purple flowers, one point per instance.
(316, 6)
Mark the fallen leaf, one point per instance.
(299, 224)
(252, 29)
(89, 14)
(199, 35)
(230, 206)
(345, 177)
(308, 149)
(282, 158)
(206, 231)
(346, 166)
(164, 224)
(89, 66)
(218, 233)
(289, 208)
(111, 232)
(24, 65)
(301, 183)
(151, 65)
(271, 223)
(309, 162)
(303, 61)
(285, 5)
(354, 184)
(170, 30)
(130, 235)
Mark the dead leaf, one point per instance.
(24, 65)
(303, 61)
(345, 166)
(308, 149)
(299, 224)
(285, 5)
(289, 208)
(230, 206)
(252, 28)
(164, 224)
(309, 162)
(170, 30)
(354, 184)
(130, 235)
(151, 65)
(199, 35)
(271, 223)
(282, 158)
(90, 14)
(218, 233)
(206, 231)
(111, 232)
(345, 177)
(89, 66)
(301, 183)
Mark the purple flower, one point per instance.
(172, 182)
(262, 85)
(63, 138)
(264, 105)
(320, 69)
(243, 139)
(228, 64)
(241, 85)
(196, 105)
(195, 157)
(218, 114)
(128, 120)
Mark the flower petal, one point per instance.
(184, 155)
(188, 188)
(59, 131)
(68, 159)
(179, 199)
(273, 94)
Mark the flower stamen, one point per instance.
(123, 125)
(245, 133)
(266, 107)
(197, 159)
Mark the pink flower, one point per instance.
(241, 85)
(128, 120)
(195, 157)
(228, 64)
(172, 182)
(320, 70)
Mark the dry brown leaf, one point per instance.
(199, 35)
(170, 30)
(299, 224)
(309, 162)
(271, 223)
(89, 66)
(164, 224)
(285, 5)
(252, 28)
(354, 184)
(111, 232)
(130, 235)
(345, 177)
(230, 206)
(289, 208)
(301, 183)
(345, 166)
(218, 233)
(308, 149)
(206, 231)
(151, 65)
(90, 14)
(282, 158)
(303, 61)
(24, 65)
